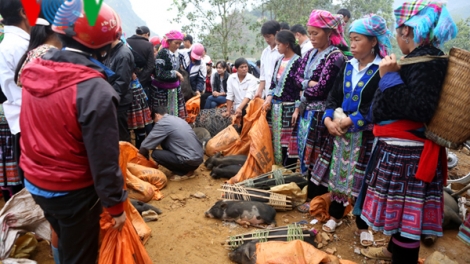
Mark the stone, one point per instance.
(439, 258)
(286, 221)
(149, 215)
(330, 251)
(199, 195)
(325, 237)
(177, 197)
(357, 250)
(320, 245)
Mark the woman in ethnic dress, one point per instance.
(166, 89)
(407, 171)
(322, 65)
(284, 96)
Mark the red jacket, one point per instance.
(69, 133)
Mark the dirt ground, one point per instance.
(184, 235)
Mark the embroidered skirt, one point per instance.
(395, 201)
(310, 135)
(280, 123)
(139, 114)
(173, 99)
(8, 170)
(342, 163)
(464, 231)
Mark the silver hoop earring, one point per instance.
(405, 39)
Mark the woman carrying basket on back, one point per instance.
(406, 171)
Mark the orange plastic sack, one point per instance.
(139, 189)
(293, 252)
(141, 160)
(153, 176)
(121, 246)
(319, 207)
(128, 152)
(223, 140)
(242, 145)
(193, 108)
(261, 156)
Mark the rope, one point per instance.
(262, 235)
(294, 232)
(278, 177)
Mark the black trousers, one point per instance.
(17, 153)
(336, 210)
(170, 161)
(124, 134)
(75, 218)
(204, 97)
(404, 250)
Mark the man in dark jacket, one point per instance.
(70, 141)
(140, 45)
(121, 62)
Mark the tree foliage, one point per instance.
(218, 23)
(463, 36)
(360, 8)
(293, 11)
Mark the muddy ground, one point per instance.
(183, 235)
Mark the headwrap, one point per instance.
(374, 26)
(431, 21)
(324, 19)
(172, 35)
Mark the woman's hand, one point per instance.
(238, 112)
(295, 116)
(312, 83)
(333, 127)
(345, 123)
(388, 64)
(267, 103)
(215, 94)
(180, 76)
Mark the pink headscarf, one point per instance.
(324, 19)
(172, 35)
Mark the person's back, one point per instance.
(143, 51)
(181, 151)
(181, 138)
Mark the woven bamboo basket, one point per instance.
(450, 125)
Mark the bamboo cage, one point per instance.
(290, 233)
(280, 202)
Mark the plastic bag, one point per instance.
(193, 108)
(292, 190)
(139, 189)
(261, 156)
(127, 153)
(121, 246)
(319, 207)
(153, 176)
(24, 246)
(293, 252)
(141, 160)
(223, 140)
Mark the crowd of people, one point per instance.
(341, 105)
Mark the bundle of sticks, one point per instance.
(283, 233)
(280, 202)
(274, 178)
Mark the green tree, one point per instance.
(217, 22)
(463, 36)
(293, 11)
(360, 8)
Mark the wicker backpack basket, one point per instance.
(450, 125)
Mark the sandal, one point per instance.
(304, 208)
(375, 253)
(331, 225)
(366, 238)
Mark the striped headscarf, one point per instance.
(374, 26)
(431, 21)
(324, 19)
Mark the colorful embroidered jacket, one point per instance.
(412, 93)
(289, 86)
(356, 104)
(166, 65)
(324, 73)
